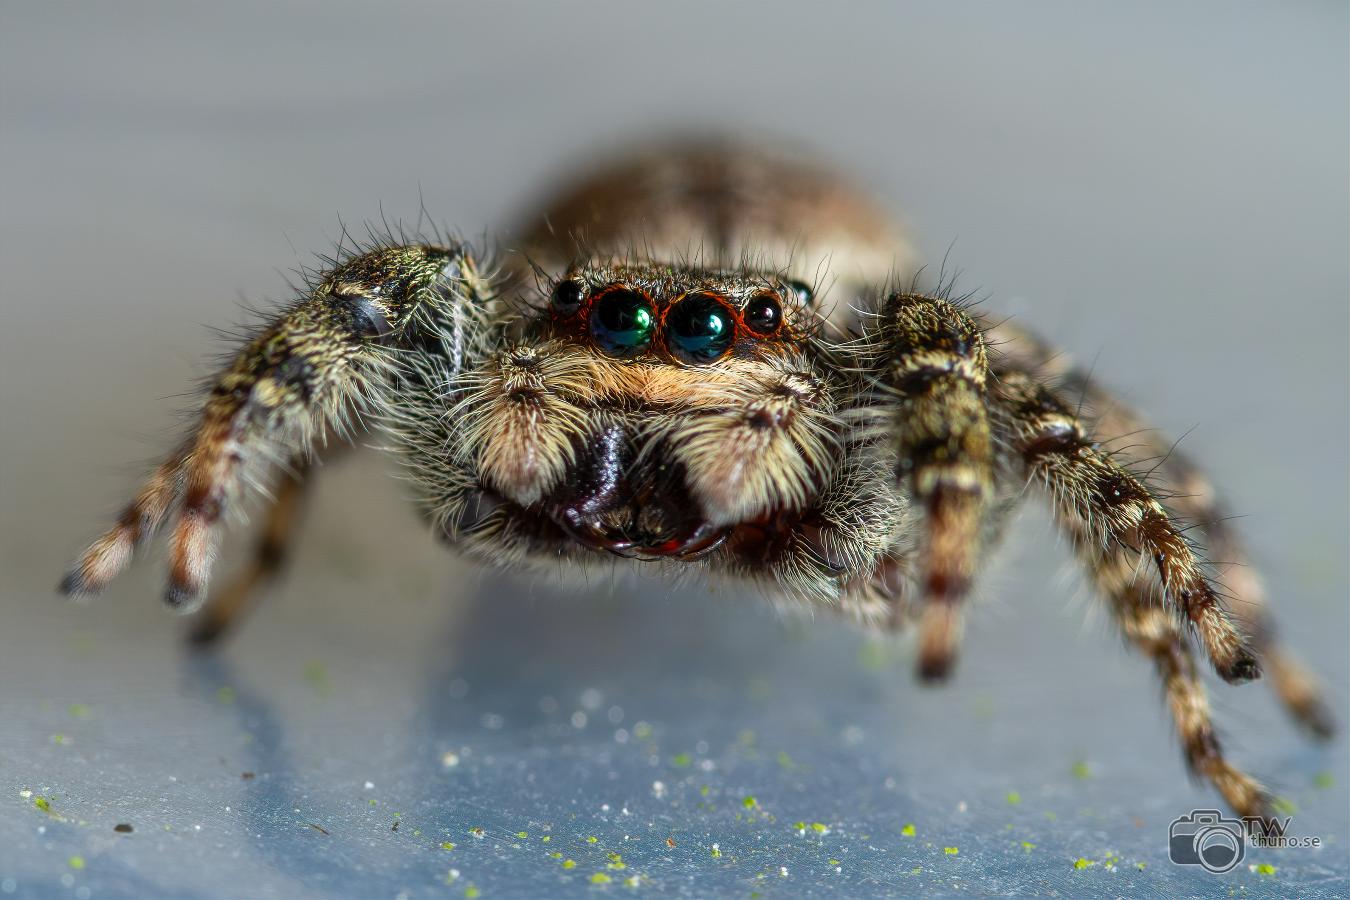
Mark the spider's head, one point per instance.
(652, 410)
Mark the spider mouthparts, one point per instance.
(696, 539)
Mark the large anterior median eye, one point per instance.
(699, 328)
(622, 322)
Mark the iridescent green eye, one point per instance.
(699, 329)
(622, 322)
(802, 291)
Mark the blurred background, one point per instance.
(1161, 188)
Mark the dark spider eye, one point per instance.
(567, 296)
(622, 322)
(699, 328)
(763, 314)
(802, 290)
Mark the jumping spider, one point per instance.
(690, 359)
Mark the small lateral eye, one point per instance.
(567, 296)
(622, 322)
(699, 328)
(763, 315)
(802, 291)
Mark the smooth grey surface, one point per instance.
(1163, 190)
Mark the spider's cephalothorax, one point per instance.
(716, 360)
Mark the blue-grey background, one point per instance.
(1160, 187)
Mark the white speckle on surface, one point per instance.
(701, 747)
(962, 806)
(493, 721)
(25, 793)
(370, 785)
(591, 699)
(621, 735)
(659, 789)
(604, 807)
(578, 719)
(782, 871)
(615, 715)
(67, 879)
(449, 759)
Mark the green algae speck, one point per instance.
(951, 851)
(1014, 798)
(908, 830)
(1081, 863)
(600, 878)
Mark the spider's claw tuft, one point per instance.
(1242, 668)
(181, 597)
(74, 584)
(939, 639)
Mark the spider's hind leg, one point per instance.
(1097, 500)
(1143, 619)
(1194, 500)
(226, 605)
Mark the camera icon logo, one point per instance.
(1205, 838)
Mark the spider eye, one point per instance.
(802, 291)
(699, 328)
(622, 322)
(763, 315)
(567, 297)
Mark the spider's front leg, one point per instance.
(311, 369)
(932, 367)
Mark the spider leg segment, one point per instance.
(1143, 618)
(933, 365)
(1096, 495)
(310, 369)
(1191, 497)
(227, 604)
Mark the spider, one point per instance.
(713, 358)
